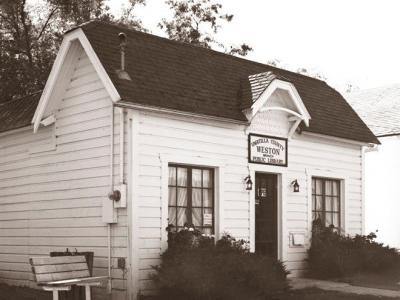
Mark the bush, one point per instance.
(334, 255)
(195, 267)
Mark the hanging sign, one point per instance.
(268, 150)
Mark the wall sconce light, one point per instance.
(249, 183)
(296, 187)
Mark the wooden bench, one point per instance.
(59, 273)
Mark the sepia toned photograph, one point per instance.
(199, 150)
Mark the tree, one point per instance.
(196, 22)
(24, 64)
(128, 17)
(76, 12)
(30, 35)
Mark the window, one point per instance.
(326, 201)
(191, 197)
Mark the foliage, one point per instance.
(334, 255)
(196, 22)
(24, 64)
(30, 35)
(78, 11)
(195, 267)
(128, 17)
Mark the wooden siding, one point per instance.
(159, 135)
(51, 200)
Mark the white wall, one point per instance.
(159, 136)
(382, 193)
(51, 200)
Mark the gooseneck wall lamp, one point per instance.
(296, 187)
(249, 183)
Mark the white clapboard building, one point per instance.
(187, 135)
(379, 108)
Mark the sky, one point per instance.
(347, 41)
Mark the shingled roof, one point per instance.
(18, 113)
(180, 76)
(379, 108)
(184, 77)
(252, 87)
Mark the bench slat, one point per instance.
(36, 261)
(48, 277)
(42, 269)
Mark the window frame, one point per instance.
(323, 195)
(189, 187)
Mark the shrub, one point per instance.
(334, 255)
(195, 267)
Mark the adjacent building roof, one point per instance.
(379, 108)
(180, 76)
(18, 113)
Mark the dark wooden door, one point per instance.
(266, 214)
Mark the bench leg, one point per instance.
(55, 295)
(87, 292)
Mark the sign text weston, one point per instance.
(267, 150)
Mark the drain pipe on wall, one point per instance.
(121, 145)
(109, 282)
